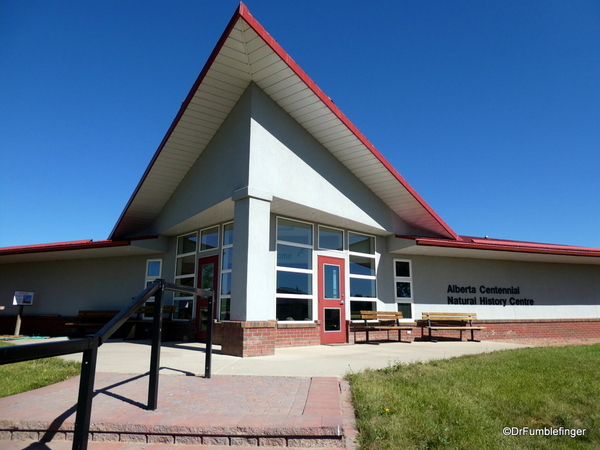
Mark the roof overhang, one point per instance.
(83, 249)
(247, 53)
(486, 248)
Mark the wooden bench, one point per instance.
(386, 321)
(98, 318)
(92, 318)
(437, 321)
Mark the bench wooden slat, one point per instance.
(386, 321)
(93, 317)
(451, 321)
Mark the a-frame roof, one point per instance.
(247, 53)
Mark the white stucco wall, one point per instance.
(288, 162)
(64, 287)
(557, 290)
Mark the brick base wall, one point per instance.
(297, 334)
(244, 339)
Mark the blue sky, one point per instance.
(490, 110)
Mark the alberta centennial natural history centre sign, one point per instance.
(498, 296)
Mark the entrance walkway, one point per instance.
(294, 399)
(315, 361)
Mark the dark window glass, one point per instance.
(361, 287)
(332, 319)
(186, 265)
(209, 239)
(208, 274)
(361, 244)
(356, 306)
(331, 239)
(360, 265)
(402, 269)
(294, 309)
(225, 312)
(186, 244)
(405, 309)
(294, 283)
(402, 289)
(295, 232)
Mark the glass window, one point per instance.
(362, 287)
(208, 276)
(226, 271)
(332, 281)
(294, 309)
(361, 244)
(403, 287)
(294, 283)
(294, 257)
(226, 284)
(186, 244)
(362, 265)
(331, 239)
(209, 238)
(402, 268)
(153, 267)
(356, 306)
(227, 258)
(332, 319)
(186, 265)
(405, 309)
(295, 232)
(228, 234)
(225, 308)
(184, 309)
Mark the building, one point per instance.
(264, 191)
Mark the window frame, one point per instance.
(310, 298)
(222, 272)
(401, 279)
(374, 300)
(178, 278)
(319, 247)
(199, 243)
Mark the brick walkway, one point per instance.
(228, 410)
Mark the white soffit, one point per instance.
(247, 53)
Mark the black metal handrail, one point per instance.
(89, 346)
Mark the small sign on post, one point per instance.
(20, 299)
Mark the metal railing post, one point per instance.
(86, 394)
(209, 325)
(155, 352)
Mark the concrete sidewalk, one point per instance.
(187, 358)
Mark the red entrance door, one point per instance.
(332, 308)
(208, 276)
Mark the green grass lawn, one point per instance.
(28, 375)
(466, 402)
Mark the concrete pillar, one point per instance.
(253, 270)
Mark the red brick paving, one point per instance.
(220, 409)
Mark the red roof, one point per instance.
(60, 246)
(475, 243)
